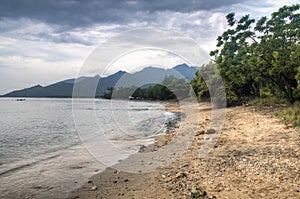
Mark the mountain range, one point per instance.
(96, 86)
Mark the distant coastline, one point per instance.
(98, 87)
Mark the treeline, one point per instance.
(258, 59)
(170, 88)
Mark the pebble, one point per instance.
(93, 188)
(197, 192)
(200, 132)
(210, 131)
(180, 175)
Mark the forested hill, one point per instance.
(98, 86)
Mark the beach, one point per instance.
(256, 156)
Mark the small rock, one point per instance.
(180, 175)
(126, 180)
(200, 133)
(90, 181)
(142, 148)
(210, 131)
(117, 171)
(197, 192)
(185, 165)
(93, 188)
(163, 176)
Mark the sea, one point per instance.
(45, 144)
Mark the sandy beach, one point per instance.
(256, 156)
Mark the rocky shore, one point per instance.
(256, 156)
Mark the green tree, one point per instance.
(209, 85)
(252, 56)
(108, 93)
(175, 88)
(199, 85)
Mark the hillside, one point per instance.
(97, 86)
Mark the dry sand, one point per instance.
(256, 156)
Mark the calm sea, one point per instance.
(42, 153)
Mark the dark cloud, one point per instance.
(79, 13)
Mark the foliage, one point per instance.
(291, 115)
(199, 86)
(268, 102)
(169, 88)
(108, 94)
(208, 84)
(260, 59)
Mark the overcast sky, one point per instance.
(42, 42)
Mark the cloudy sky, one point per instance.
(42, 42)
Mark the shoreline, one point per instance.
(66, 172)
(256, 156)
(111, 176)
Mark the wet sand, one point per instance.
(256, 156)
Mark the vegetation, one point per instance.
(257, 60)
(169, 89)
(290, 115)
(260, 59)
(208, 85)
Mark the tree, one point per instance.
(169, 88)
(108, 93)
(208, 84)
(252, 56)
(175, 88)
(199, 85)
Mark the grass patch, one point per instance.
(290, 115)
(267, 102)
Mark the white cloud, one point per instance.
(137, 60)
(26, 63)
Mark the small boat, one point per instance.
(21, 99)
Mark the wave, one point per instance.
(21, 165)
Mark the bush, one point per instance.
(267, 101)
(290, 115)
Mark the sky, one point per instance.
(42, 42)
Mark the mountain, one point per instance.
(152, 75)
(59, 89)
(97, 86)
(186, 71)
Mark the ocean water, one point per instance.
(46, 145)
